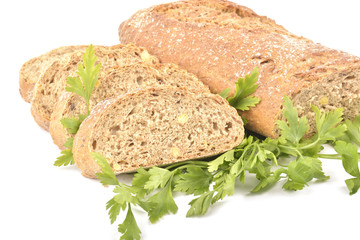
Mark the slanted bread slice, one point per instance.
(31, 70)
(52, 83)
(117, 81)
(156, 126)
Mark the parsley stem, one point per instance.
(88, 106)
(330, 156)
(291, 148)
(310, 145)
(198, 163)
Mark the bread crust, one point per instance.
(220, 53)
(81, 145)
(56, 129)
(82, 140)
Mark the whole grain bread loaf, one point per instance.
(156, 126)
(52, 83)
(31, 71)
(116, 81)
(220, 41)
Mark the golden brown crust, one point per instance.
(56, 129)
(39, 119)
(221, 51)
(81, 146)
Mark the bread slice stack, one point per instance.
(116, 81)
(31, 71)
(144, 113)
(51, 84)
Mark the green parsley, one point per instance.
(83, 85)
(210, 181)
(88, 73)
(244, 88)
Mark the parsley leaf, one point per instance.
(129, 227)
(353, 129)
(226, 157)
(65, 159)
(139, 180)
(350, 158)
(72, 124)
(158, 178)
(327, 124)
(69, 143)
(270, 180)
(114, 209)
(353, 184)
(161, 203)
(225, 93)
(200, 205)
(106, 175)
(195, 181)
(302, 171)
(224, 186)
(88, 74)
(244, 87)
(296, 128)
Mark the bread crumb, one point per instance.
(324, 101)
(175, 152)
(116, 166)
(145, 56)
(183, 118)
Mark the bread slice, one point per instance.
(117, 81)
(31, 71)
(220, 41)
(52, 83)
(156, 126)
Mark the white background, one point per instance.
(41, 201)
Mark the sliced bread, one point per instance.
(117, 81)
(31, 71)
(52, 83)
(156, 126)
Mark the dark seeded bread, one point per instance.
(52, 83)
(31, 71)
(118, 81)
(156, 126)
(220, 41)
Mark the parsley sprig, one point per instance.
(88, 74)
(210, 181)
(242, 99)
(83, 85)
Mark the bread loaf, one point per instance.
(220, 41)
(118, 81)
(156, 126)
(53, 81)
